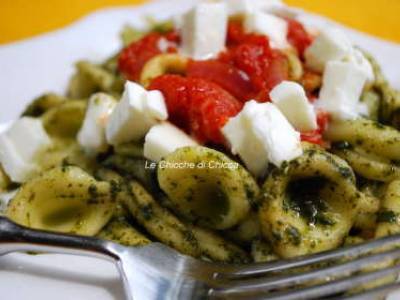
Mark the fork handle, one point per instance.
(16, 238)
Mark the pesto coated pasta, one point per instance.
(246, 154)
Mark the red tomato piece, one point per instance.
(235, 33)
(211, 107)
(198, 106)
(252, 54)
(276, 71)
(227, 76)
(315, 136)
(134, 57)
(298, 36)
(176, 93)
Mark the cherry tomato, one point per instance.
(133, 57)
(225, 75)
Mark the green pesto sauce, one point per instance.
(209, 202)
(387, 216)
(303, 196)
(293, 235)
(342, 145)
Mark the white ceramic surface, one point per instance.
(44, 63)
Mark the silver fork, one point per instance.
(158, 272)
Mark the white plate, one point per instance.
(44, 63)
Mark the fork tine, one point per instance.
(373, 294)
(301, 261)
(314, 292)
(285, 281)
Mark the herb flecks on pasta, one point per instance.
(206, 186)
(65, 199)
(309, 204)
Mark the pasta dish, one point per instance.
(232, 133)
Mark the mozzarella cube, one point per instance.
(259, 134)
(19, 147)
(155, 105)
(272, 26)
(92, 135)
(163, 139)
(133, 116)
(330, 45)
(358, 59)
(204, 30)
(342, 85)
(16, 168)
(292, 101)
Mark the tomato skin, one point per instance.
(225, 75)
(134, 56)
(210, 108)
(252, 54)
(198, 106)
(176, 93)
(298, 36)
(235, 33)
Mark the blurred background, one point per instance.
(21, 19)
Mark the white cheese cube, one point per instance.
(204, 30)
(133, 116)
(259, 134)
(16, 168)
(155, 105)
(28, 136)
(292, 101)
(92, 136)
(20, 145)
(358, 59)
(272, 26)
(330, 45)
(240, 7)
(341, 90)
(163, 139)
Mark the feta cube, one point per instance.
(137, 111)
(163, 139)
(92, 136)
(20, 145)
(270, 25)
(292, 101)
(330, 45)
(259, 134)
(204, 30)
(342, 85)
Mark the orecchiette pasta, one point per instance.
(65, 199)
(162, 224)
(309, 205)
(65, 120)
(163, 64)
(371, 148)
(207, 187)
